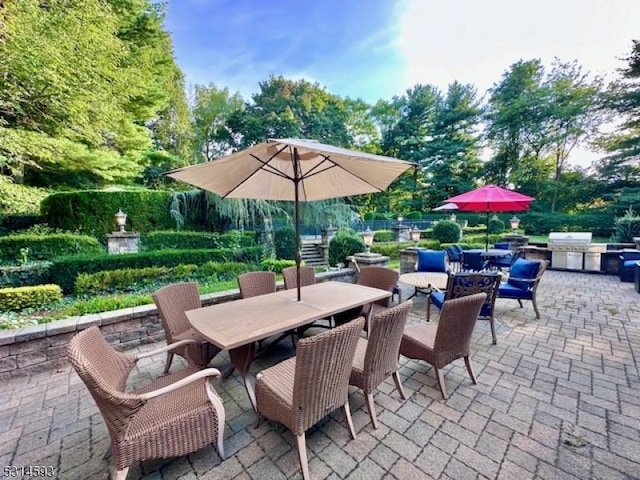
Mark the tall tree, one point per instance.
(622, 164)
(512, 118)
(212, 112)
(286, 108)
(78, 81)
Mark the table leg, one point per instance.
(241, 358)
(368, 319)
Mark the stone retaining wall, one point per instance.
(44, 347)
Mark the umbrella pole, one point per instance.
(296, 182)
(486, 238)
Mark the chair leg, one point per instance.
(372, 409)
(535, 308)
(121, 474)
(302, 455)
(220, 413)
(520, 302)
(167, 364)
(347, 417)
(428, 307)
(468, 364)
(492, 324)
(396, 378)
(443, 389)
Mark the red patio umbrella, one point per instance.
(491, 198)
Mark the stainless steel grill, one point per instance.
(574, 251)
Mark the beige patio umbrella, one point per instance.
(294, 170)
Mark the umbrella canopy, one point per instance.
(294, 170)
(446, 206)
(491, 198)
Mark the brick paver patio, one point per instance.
(557, 398)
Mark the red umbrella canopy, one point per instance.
(491, 198)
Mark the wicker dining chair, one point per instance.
(376, 277)
(302, 390)
(172, 302)
(376, 358)
(447, 341)
(176, 415)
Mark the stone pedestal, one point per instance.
(408, 260)
(122, 242)
(363, 260)
(515, 241)
(401, 233)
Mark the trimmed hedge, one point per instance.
(284, 241)
(131, 279)
(446, 231)
(276, 265)
(92, 211)
(47, 247)
(19, 298)
(392, 249)
(163, 240)
(25, 275)
(64, 270)
(342, 246)
(383, 236)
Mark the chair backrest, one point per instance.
(502, 246)
(432, 261)
(525, 274)
(455, 326)
(383, 345)
(252, 284)
(104, 371)
(473, 261)
(172, 302)
(462, 284)
(379, 277)
(323, 367)
(307, 277)
(452, 252)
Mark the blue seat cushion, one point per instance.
(502, 246)
(437, 298)
(507, 290)
(432, 261)
(629, 263)
(523, 269)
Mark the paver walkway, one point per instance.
(557, 398)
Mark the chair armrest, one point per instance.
(167, 348)
(207, 372)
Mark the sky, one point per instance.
(373, 49)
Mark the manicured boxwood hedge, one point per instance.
(47, 247)
(131, 279)
(163, 240)
(92, 211)
(19, 298)
(64, 270)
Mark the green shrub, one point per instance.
(496, 225)
(163, 240)
(284, 241)
(25, 275)
(47, 247)
(64, 270)
(276, 265)
(446, 231)
(38, 296)
(342, 246)
(383, 236)
(92, 212)
(18, 221)
(626, 228)
(132, 279)
(392, 249)
(413, 215)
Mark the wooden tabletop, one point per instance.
(236, 323)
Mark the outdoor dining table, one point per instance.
(236, 326)
(425, 282)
